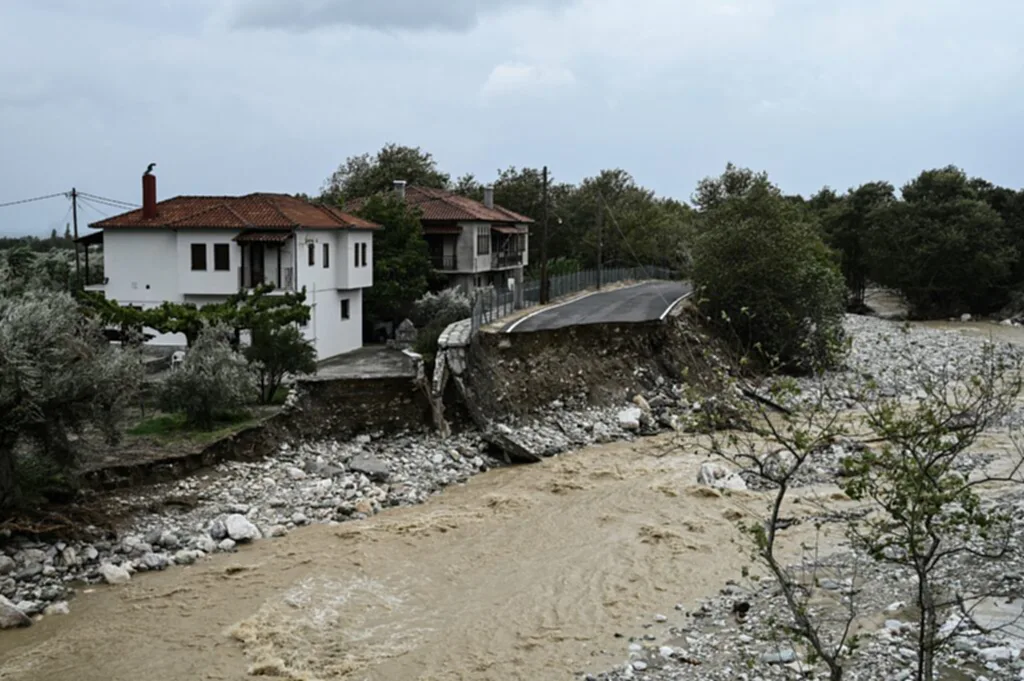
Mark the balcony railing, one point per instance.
(444, 262)
(506, 259)
(246, 280)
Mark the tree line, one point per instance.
(948, 243)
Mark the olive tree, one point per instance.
(58, 377)
(213, 379)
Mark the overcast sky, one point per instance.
(235, 96)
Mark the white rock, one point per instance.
(206, 544)
(666, 651)
(114, 574)
(710, 473)
(7, 565)
(241, 529)
(277, 531)
(11, 616)
(185, 557)
(629, 418)
(227, 545)
(660, 618)
(295, 473)
(639, 665)
(60, 608)
(998, 654)
(965, 317)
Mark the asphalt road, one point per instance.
(645, 302)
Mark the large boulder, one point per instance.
(114, 574)
(718, 476)
(240, 529)
(11, 617)
(371, 467)
(629, 418)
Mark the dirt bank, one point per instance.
(523, 573)
(599, 365)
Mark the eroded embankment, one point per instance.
(514, 375)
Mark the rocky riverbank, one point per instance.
(737, 634)
(238, 502)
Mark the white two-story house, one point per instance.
(202, 249)
(474, 244)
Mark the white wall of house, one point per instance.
(328, 330)
(140, 266)
(209, 281)
(350, 273)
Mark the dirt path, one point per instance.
(524, 573)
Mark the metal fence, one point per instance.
(490, 305)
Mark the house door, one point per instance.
(256, 263)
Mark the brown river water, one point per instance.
(523, 573)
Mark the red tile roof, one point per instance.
(442, 205)
(267, 211)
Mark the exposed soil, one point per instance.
(599, 365)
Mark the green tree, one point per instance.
(845, 225)
(763, 269)
(942, 247)
(58, 376)
(366, 175)
(276, 351)
(401, 261)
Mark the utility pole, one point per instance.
(600, 240)
(74, 220)
(544, 244)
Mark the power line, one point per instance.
(112, 202)
(38, 198)
(91, 206)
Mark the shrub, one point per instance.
(447, 306)
(763, 269)
(432, 314)
(212, 379)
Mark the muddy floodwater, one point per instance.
(523, 573)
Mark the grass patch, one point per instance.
(173, 428)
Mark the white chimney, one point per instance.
(489, 196)
(399, 187)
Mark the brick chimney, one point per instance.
(489, 196)
(148, 196)
(399, 187)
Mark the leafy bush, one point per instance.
(276, 351)
(58, 375)
(447, 306)
(763, 272)
(213, 378)
(434, 312)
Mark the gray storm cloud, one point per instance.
(411, 15)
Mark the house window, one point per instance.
(345, 309)
(363, 248)
(198, 257)
(221, 257)
(312, 254)
(357, 254)
(327, 256)
(483, 240)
